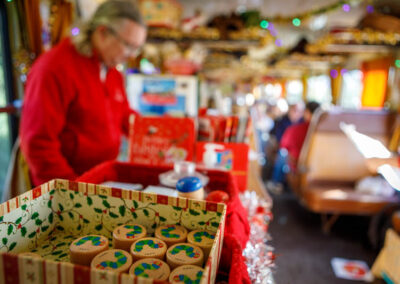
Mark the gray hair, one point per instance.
(113, 14)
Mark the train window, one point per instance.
(294, 89)
(352, 87)
(319, 89)
(5, 124)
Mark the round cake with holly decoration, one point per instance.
(184, 253)
(84, 249)
(148, 248)
(116, 260)
(186, 274)
(153, 268)
(171, 234)
(125, 235)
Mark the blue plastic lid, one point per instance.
(188, 184)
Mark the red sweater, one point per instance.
(71, 119)
(293, 139)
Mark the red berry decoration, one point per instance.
(218, 196)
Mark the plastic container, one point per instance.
(181, 169)
(190, 187)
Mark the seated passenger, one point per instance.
(293, 116)
(275, 160)
(294, 136)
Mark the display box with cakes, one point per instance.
(76, 232)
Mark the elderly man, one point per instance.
(75, 108)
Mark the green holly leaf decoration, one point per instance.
(44, 228)
(18, 220)
(146, 212)
(71, 215)
(38, 222)
(215, 224)
(79, 227)
(61, 217)
(202, 223)
(31, 235)
(56, 252)
(63, 255)
(45, 246)
(35, 215)
(113, 215)
(51, 216)
(106, 204)
(49, 203)
(98, 210)
(99, 227)
(71, 196)
(78, 205)
(60, 228)
(4, 241)
(89, 200)
(12, 246)
(86, 221)
(177, 208)
(122, 210)
(162, 219)
(61, 207)
(204, 212)
(23, 231)
(10, 229)
(193, 212)
(1, 218)
(154, 226)
(219, 214)
(102, 196)
(60, 244)
(52, 191)
(23, 207)
(134, 215)
(135, 204)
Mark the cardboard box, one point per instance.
(48, 218)
(386, 265)
(161, 140)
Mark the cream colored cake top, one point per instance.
(115, 259)
(89, 243)
(201, 238)
(184, 253)
(129, 232)
(148, 247)
(150, 268)
(171, 233)
(186, 274)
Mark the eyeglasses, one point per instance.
(132, 49)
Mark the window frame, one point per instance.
(8, 75)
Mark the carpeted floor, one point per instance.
(304, 252)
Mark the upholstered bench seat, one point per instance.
(341, 199)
